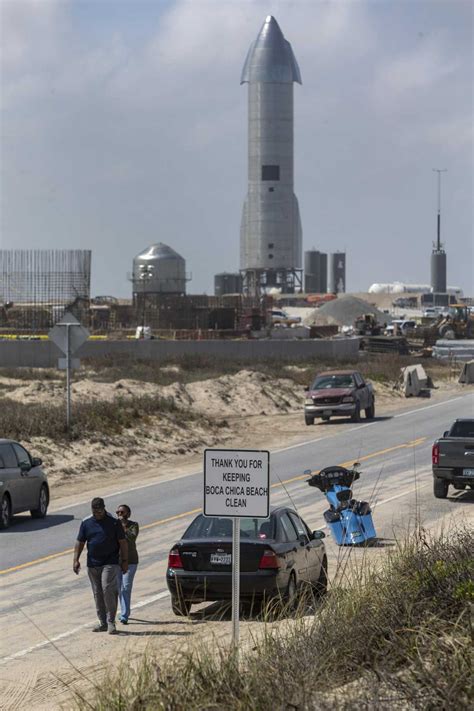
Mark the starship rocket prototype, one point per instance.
(270, 234)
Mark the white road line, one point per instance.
(69, 633)
(429, 407)
(275, 451)
(398, 496)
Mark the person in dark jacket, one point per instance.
(125, 580)
(106, 543)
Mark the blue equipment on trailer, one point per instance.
(349, 521)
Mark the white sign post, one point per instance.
(68, 335)
(236, 485)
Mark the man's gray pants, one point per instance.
(104, 586)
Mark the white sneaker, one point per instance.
(111, 629)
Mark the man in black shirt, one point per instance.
(105, 540)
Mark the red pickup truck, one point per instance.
(339, 393)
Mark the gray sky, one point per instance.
(124, 124)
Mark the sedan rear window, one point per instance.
(203, 527)
(326, 382)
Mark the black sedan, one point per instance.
(278, 556)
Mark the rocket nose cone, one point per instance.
(270, 58)
(270, 32)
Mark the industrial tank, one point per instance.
(227, 283)
(159, 270)
(398, 287)
(337, 273)
(315, 272)
(438, 271)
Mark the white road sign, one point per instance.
(236, 483)
(77, 333)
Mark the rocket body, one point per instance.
(271, 235)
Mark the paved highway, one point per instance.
(381, 442)
(46, 609)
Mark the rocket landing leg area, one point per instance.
(256, 282)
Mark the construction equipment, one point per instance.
(457, 324)
(367, 325)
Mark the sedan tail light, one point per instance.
(174, 559)
(269, 560)
(435, 454)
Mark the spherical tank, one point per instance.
(159, 269)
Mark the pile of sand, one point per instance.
(343, 311)
(247, 392)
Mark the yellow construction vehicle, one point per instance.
(457, 323)
(366, 325)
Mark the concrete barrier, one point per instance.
(44, 354)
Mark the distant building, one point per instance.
(227, 283)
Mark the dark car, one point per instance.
(339, 393)
(23, 483)
(278, 556)
(453, 458)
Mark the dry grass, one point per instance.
(400, 638)
(90, 419)
(190, 368)
(382, 368)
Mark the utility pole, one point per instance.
(439, 171)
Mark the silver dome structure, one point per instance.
(159, 270)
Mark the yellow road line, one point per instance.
(162, 521)
(413, 443)
(35, 562)
(171, 518)
(71, 550)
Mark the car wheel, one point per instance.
(5, 512)
(309, 420)
(180, 606)
(321, 586)
(440, 488)
(43, 503)
(291, 593)
(356, 416)
(370, 411)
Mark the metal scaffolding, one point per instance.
(38, 286)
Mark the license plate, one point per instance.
(221, 558)
(327, 412)
(468, 472)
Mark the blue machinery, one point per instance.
(349, 521)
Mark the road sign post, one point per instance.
(68, 376)
(68, 335)
(235, 583)
(236, 485)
